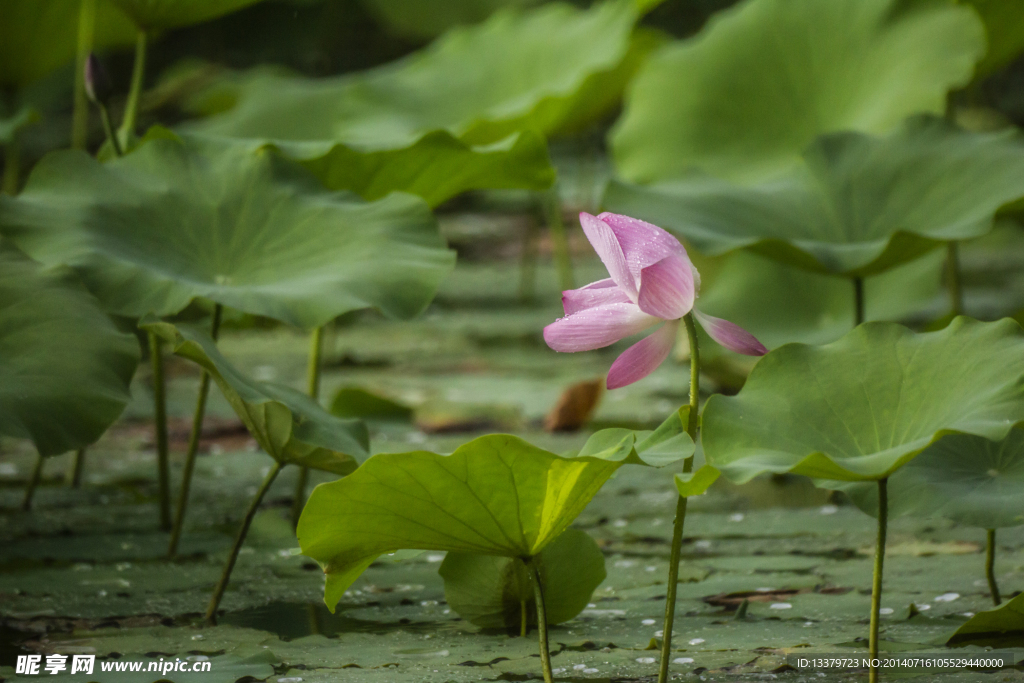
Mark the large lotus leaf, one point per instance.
(1004, 26)
(754, 88)
(496, 495)
(860, 408)
(179, 219)
(492, 591)
(429, 18)
(1005, 620)
(162, 14)
(667, 444)
(855, 206)
(42, 35)
(287, 424)
(968, 479)
(64, 368)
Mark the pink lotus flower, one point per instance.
(652, 283)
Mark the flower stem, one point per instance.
(313, 383)
(156, 358)
(956, 293)
(33, 483)
(542, 621)
(876, 582)
(109, 130)
(858, 301)
(80, 114)
(559, 239)
(225, 575)
(193, 444)
(680, 520)
(131, 107)
(990, 567)
(74, 476)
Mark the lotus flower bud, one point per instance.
(97, 82)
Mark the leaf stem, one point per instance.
(858, 301)
(559, 239)
(33, 483)
(542, 620)
(225, 575)
(953, 283)
(680, 520)
(131, 107)
(74, 476)
(80, 114)
(990, 567)
(313, 384)
(108, 128)
(193, 443)
(876, 581)
(156, 358)
(524, 619)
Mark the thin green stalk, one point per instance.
(316, 344)
(108, 128)
(990, 567)
(225, 575)
(156, 358)
(193, 444)
(528, 263)
(131, 107)
(542, 621)
(559, 239)
(858, 301)
(80, 114)
(33, 483)
(524, 619)
(876, 581)
(953, 283)
(12, 167)
(74, 476)
(680, 520)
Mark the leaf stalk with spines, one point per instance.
(131, 109)
(542, 620)
(680, 519)
(74, 475)
(80, 111)
(876, 578)
(33, 483)
(193, 443)
(316, 343)
(156, 358)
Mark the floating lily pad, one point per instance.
(860, 408)
(287, 424)
(65, 367)
(179, 219)
(742, 101)
(856, 205)
(968, 479)
(491, 591)
(163, 14)
(1005, 620)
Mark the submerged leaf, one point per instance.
(64, 368)
(179, 219)
(287, 424)
(860, 408)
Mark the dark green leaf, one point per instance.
(361, 403)
(1007, 619)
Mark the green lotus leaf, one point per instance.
(860, 408)
(696, 483)
(496, 495)
(491, 591)
(742, 101)
(10, 126)
(965, 478)
(42, 35)
(1005, 620)
(64, 367)
(429, 18)
(287, 424)
(367, 405)
(162, 14)
(1004, 26)
(856, 205)
(426, 124)
(179, 219)
(668, 444)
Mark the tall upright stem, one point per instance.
(74, 476)
(193, 443)
(225, 575)
(80, 114)
(542, 621)
(316, 343)
(680, 520)
(876, 581)
(990, 567)
(956, 293)
(131, 107)
(33, 483)
(559, 239)
(156, 358)
(12, 167)
(858, 301)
